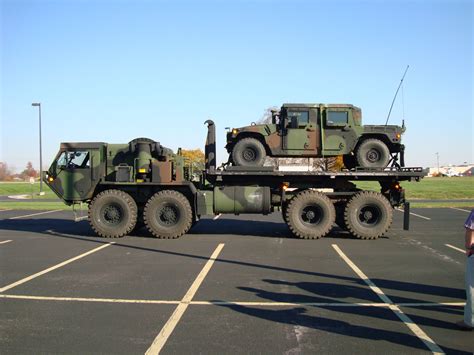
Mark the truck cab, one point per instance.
(315, 130)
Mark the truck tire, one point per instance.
(113, 214)
(168, 214)
(310, 215)
(248, 152)
(368, 215)
(373, 153)
(340, 210)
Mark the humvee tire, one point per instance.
(310, 215)
(168, 214)
(368, 215)
(113, 214)
(249, 152)
(373, 153)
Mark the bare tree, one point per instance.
(267, 115)
(5, 173)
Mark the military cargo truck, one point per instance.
(317, 130)
(141, 183)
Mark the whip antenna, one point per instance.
(396, 93)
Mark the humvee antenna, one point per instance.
(396, 93)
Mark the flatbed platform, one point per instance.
(267, 174)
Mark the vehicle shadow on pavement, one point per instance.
(329, 292)
(221, 226)
(322, 292)
(267, 229)
(298, 316)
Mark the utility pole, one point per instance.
(437, 160)
(38, 104)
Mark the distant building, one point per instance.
(459, 170)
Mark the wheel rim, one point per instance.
(249, 154)
(369, 215)
(311, 215)
(373, 155)
(112, 214)
(167, 215)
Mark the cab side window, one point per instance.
(337, 118)
(298, 118)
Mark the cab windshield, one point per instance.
(73, 160)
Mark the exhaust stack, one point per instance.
(210, 148)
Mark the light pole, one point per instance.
(437, 160)
(38, 104)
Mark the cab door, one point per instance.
(336, 131)
(300, 137)
(75, 177)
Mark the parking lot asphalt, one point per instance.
(235, 284)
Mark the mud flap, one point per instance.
(406, 216)
(402, 156)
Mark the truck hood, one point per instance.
(383, 129)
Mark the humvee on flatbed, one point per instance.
(318, 130)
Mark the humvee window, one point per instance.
(336, 118)
(303, 117)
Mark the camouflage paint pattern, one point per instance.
(74, 183)
(242, 199)
(317, 137)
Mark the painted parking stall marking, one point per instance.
(228, 303)
(57, 266)
(455, 248)
(168, 328)
(5, 241)
(414, 214)
(34, 214)
(460, 209)
(430, 344)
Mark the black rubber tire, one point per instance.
(248, 152)
(113, 214)
(340, 210)
(310, 215)
(350, 161)
(283, 212)
(368, 215)
(168, 214)
(373, 153)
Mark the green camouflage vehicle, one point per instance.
(317, 130)
(141, 183)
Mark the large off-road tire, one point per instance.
(168, 214)
(340, 210)
(248, 152)
(373, 153)
(310, 215)
(350, 161)
(368, 215)
(113, 214)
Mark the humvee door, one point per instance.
(338, 135)
(300, 137)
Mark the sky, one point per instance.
(111, 71)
